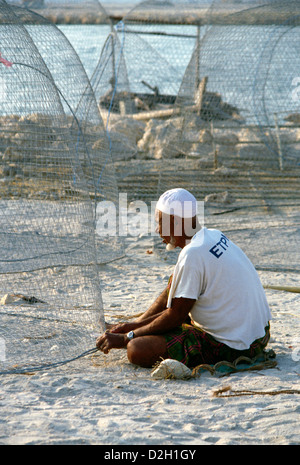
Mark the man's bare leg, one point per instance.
(145, 351)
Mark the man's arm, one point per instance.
(158, 325)
(167, 320)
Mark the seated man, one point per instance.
(214, 307)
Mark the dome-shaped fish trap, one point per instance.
(245, 132)
(210, 103)
(55, 169)
(125, 85)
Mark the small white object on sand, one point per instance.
(7, 299)
(170, 247)
(171, 369)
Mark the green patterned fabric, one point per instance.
(192, 346)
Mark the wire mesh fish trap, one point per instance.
(210, 106)
(55, 168)
(198, 83)
(137, 79)
(120, 83)
(235, 99)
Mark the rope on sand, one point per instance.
(226, 391)
(260, 362)
(33, 369)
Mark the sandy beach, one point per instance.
(104, 400)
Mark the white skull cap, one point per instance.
(178, 202)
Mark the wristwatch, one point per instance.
(130, 335)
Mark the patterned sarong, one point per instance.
(192, 346)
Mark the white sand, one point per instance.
(105, 400)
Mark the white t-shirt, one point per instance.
(231, 304)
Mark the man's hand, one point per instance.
(109, 341)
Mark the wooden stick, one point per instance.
(283, 288)
(200, 93)
(228, 392)
(155, 114)
(215, 150)
(278, 143)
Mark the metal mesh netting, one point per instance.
(226, 99)
(212, 89)
(201, 95)
(54, 170)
